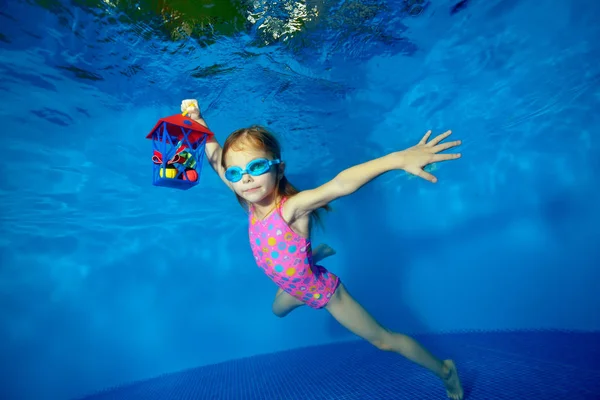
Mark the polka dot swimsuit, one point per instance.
(286, 258)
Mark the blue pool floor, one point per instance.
(509, 365)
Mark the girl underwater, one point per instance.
(279, 216)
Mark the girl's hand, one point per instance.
(190, 106)
(415, 158)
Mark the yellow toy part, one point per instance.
(171, 172)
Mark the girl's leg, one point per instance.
(354, 317)
(285, 303)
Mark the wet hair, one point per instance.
(258, 137)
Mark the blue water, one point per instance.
(106, 279)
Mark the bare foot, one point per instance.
(452, 381)
(323, 251)
(326, 250)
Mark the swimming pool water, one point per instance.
(106, 280)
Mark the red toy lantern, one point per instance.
(178, 144)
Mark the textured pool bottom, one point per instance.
(541, 365)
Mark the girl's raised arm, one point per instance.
(412, 160)
(213, 149)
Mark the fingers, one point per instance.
(427, 176)
(422, 174)
(424, 139)
(446, 157)
(184, 105)
(440, 137)
(445, 146)
(188, 103)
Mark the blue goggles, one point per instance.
(255, 168)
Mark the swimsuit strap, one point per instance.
(283, 200)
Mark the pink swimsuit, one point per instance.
(286, 258)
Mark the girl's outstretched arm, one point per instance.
(212, 148)
(411, 160)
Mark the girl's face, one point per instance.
(254, 189)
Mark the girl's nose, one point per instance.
(246, 178)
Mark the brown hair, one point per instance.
(259, 137)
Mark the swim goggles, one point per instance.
(255, 167)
